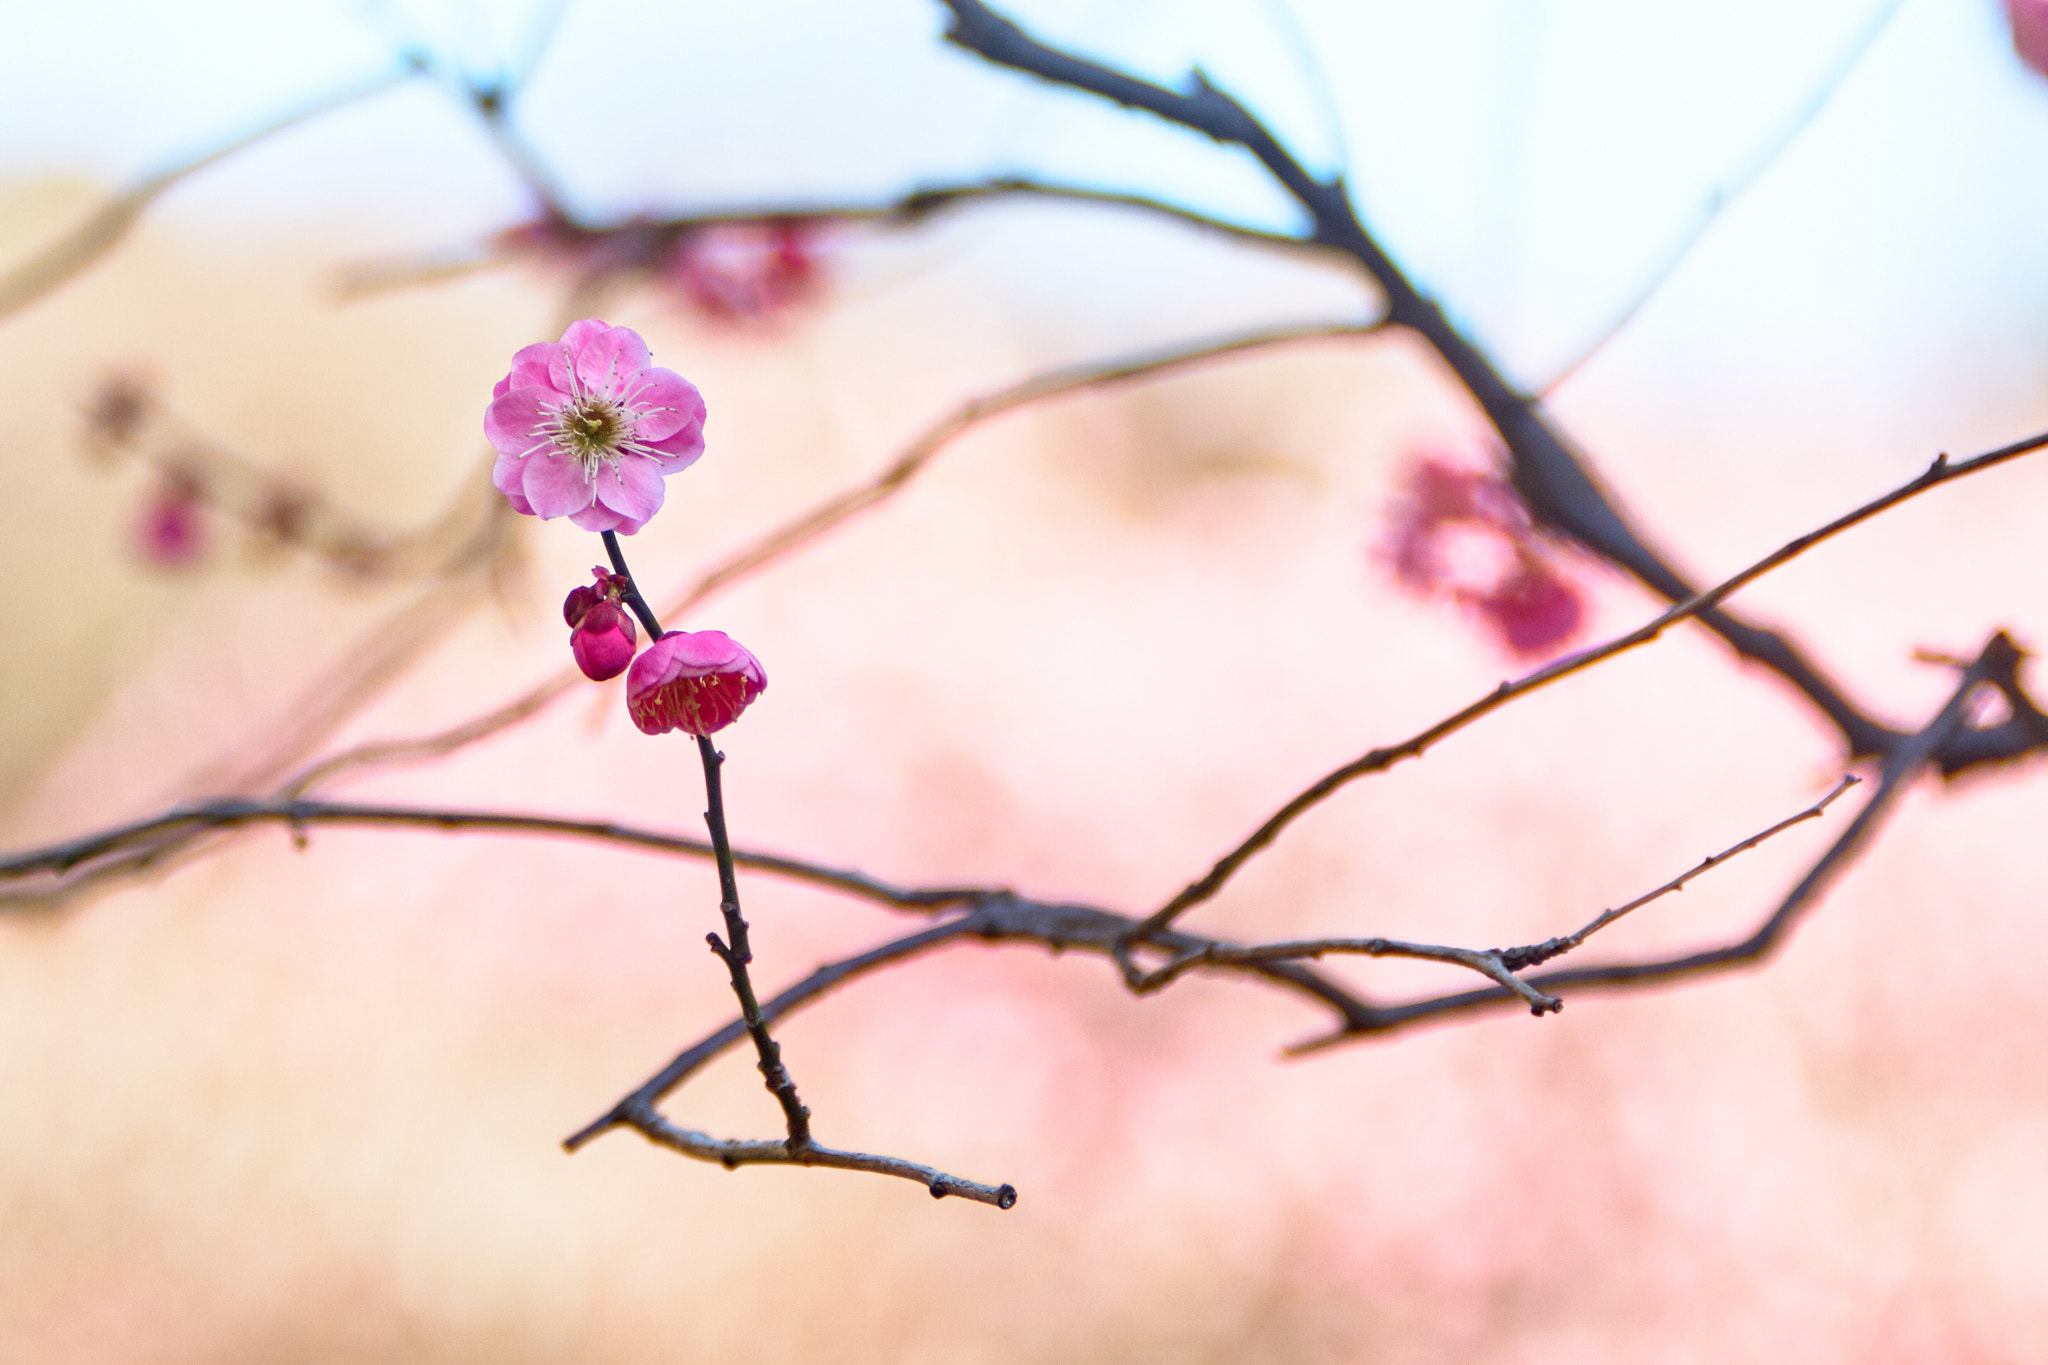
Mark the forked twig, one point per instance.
(2025, 730)
(1500, 964)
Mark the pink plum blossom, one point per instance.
(1466, 536)
(746, 272)
(586, 428)
(694, 682)
(2029, 19)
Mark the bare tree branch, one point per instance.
(735, 1153)
(1997, 665)
(638, 244)
(1555, 482)
(1521, 959)
(2024, 731)
(298, 816)
(1500, 964)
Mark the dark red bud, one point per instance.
(579, 602)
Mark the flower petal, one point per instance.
(663, 403)
(633, 487)
(508, 475)
(678, 452)
(609, 361)
(555, 485)
(518, 420)
(580, 333)
(697, 682)
(598, 517)
(533, 365)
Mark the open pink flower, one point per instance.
(586, 429)
(697, 682)
(1466, 536)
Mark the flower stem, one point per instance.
(736, 954)
(733, 949)
(634, 601)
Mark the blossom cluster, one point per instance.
(589, 428)
(752, 272)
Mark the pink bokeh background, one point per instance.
(306, 1103)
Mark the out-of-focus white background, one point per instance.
(306, 1104)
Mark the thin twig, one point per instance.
(737, 955)
(1500, 964)
(145, 837)
(1486, 961)
(736, 952)
(1998, 664)
(843, 506)
(2024, 731)
(735, 1153)
(1521, 959)
(992, 917)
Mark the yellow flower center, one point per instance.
(592, 431)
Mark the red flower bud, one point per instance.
(603, 641)
(694, 682)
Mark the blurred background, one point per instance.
(306, 1102)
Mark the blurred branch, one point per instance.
(343, 692)
(126, 420)
(843, 506)
(639, 244)
(1722, 197)
(1555, 482)
(2024, 731)
(92, 239)
(832, 512)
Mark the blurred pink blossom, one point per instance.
(1465, 535)
(750, 271)
(2030, 31)
(694, 682)
(171, 532)
(601, 635)
(586, 428)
